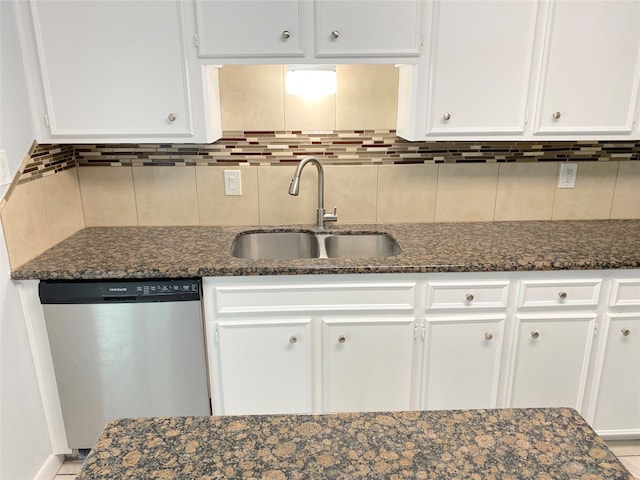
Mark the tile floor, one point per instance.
(628, 451)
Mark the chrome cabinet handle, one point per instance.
(488, 336)
(342, 339)
(335, 34)
(625, 332)
(562, 295)
(286, 34)
(172, 117)
(293, 339)
(556, 115)
(534, 334)
(446, 116)
(469, 297)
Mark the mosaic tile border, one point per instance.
(356, 147)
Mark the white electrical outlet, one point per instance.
(5, 174)
(232, 182)
(568, 174)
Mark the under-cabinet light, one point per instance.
(311, 81)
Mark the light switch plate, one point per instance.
(568, 174)
(5, 174)
(232, 182)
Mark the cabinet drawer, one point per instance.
(314, 297)
(625, 293)
(450, 295)
(570, 293)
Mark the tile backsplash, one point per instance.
(372, 176)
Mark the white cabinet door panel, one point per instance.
(250, 28)
(462, 362)
(265, 366)
(617, 408)
(591, 67)
(367, 364)
(550, 361)
(112, 68)
(374, 28)
(482, 53)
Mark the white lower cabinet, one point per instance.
(265, 366)
(339, 343)
(367, 364)
(462, 362)
(617, 407)
(550, 361)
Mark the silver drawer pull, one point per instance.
(535, 334)
(286, 34)
(562, 295)
(625, 332)
(342, 339)
(293, 339)
(469, 297)
(488, 336)
(335, 33)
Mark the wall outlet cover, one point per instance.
(232, 182)
(568, 174)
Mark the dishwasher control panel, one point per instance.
(154, 290)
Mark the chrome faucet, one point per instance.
(294, 188)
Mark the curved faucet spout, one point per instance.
(294, 189)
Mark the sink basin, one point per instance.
(292, 245)
(276, 245)
(360, 245)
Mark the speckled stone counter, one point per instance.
(153, 252)
(540, 444)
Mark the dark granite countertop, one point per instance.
(155, 252)
(515, 444)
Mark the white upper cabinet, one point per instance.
(304, 31)
(250, 28)
(112, 71)
(524, 70)
(590, 69)
(481, 58)
(357, 28)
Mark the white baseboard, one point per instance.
(50, 468)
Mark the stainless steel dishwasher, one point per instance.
(125, 349)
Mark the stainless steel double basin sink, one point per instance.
(307, 244)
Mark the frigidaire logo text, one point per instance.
(117, 289)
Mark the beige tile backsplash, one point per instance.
(62, 204)
(526, 191)
(108, 196)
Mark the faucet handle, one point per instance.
(331, 217)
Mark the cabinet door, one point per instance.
(367, 364)
(112, 69)
(590, 71)
(265, 366)
(370, 28)
(550, 360)
(481, 60)
(618, 398)
(462, 362)
(250, 28)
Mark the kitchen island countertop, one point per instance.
(199, 251)
(517, 444)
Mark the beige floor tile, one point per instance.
(632, 464)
